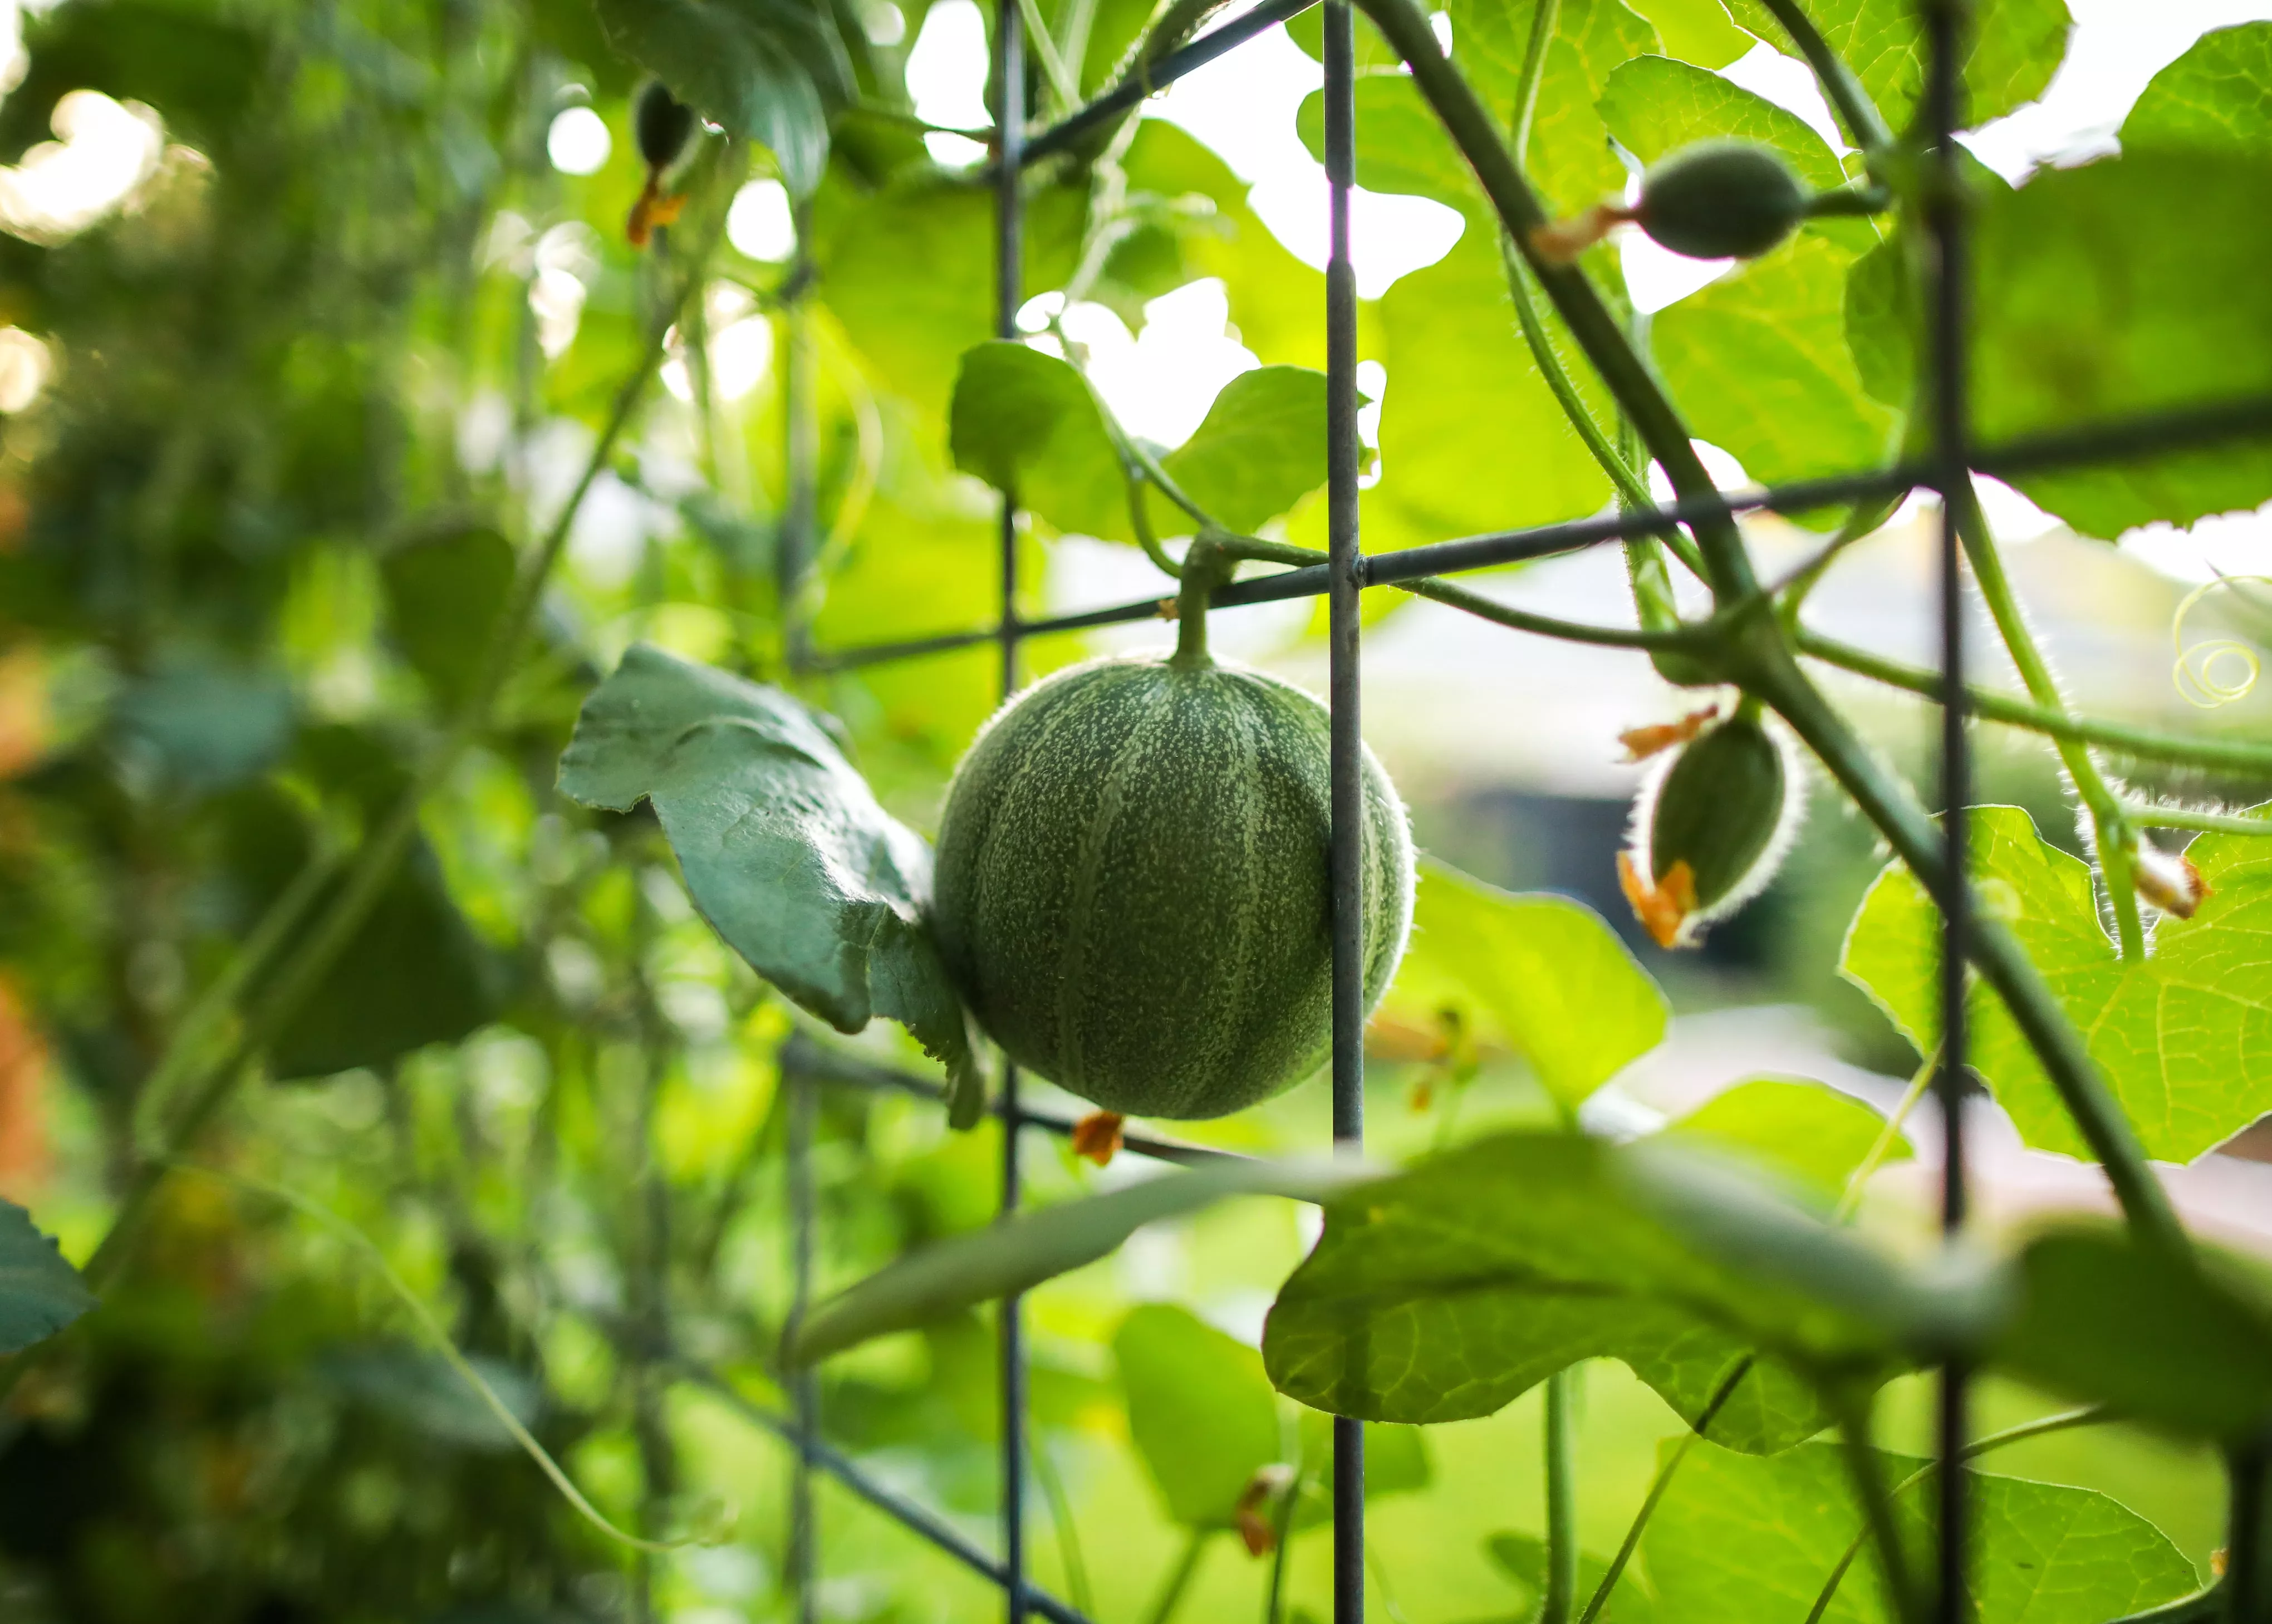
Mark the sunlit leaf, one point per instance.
(2184, 1038)
(2016, 46)
(1028, 424)
(1570, 160)
(1201, 1411)
(783, 846)
(2217, 97)
(1695, 31)
(1806, 1131)
(1261, 449)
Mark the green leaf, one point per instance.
(1540, 973)
(202, 723)
(1808, 1132)
(1261, 449)
(1448, 1291)
(2104, 1321)
(1401, 146)
(1307, 29)
(1695, 31)
(39, 1293)
(442, 595)
(913, 329)
(1471, 438)
(2181, 1036)
(1760, 363)
(1742, 1540)
(1015, 1256)
(1395, 1463)
(1570, 160)
(2217, 97)
(1522, 1558)
(782, 845)
(771, 69)
(2016, 47)
(1027, 424)
(1201, 1411)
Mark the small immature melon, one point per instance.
(1721, 199)
(1132, 884)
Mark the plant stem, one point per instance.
(2043, 1426)
(1179, 1577)
(1206, 567)
(1062, 1520)
(1919, 1084)
(1561, 1587)
(1866, 1472)
(2241, 756)
(1658, 1484)
(1063, 83)
(1866, 126)
(2111, 832)
(2180, 817)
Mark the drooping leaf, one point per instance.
(1201, 1411)
(771, 69)
(1539, 973)
(1026, 424)
(2105, 1321)
(1448, 1291)
(1760, 363)
(1738, 1538)
(39, 1293)
(1811, 1133)
(442, 595)
(2215, 98)
(2184, 1038)
(2016, 47)
(782, 845)
(1261, 450)
(969, 1269)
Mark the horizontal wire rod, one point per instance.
(2036, 453)
(1166, 71)
(921, 1519)
(801, 1054)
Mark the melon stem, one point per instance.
(1206, 567)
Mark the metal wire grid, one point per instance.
(806, 1067)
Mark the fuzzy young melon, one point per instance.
(1132, 884)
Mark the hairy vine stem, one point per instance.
(1865, 124)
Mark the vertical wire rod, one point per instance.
(1945, 242)
(803, 1528)
(1009, 255)
(1347, 764)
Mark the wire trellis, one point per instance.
(806, 1067)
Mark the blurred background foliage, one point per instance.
(313, 312)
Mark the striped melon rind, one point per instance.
(1131, 888)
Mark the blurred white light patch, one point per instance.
(760, 224)
(579, 143)
(25, 362)
(566, 258)
(741, 344)
(944, 73)
(884, 23)
(1160, 384)
(103, 151)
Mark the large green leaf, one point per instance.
(39, 1293)
(2184, 1038)
(1026, 424)
(2108, 1321)
(1471, 438)
(1759, 361)
(2117, 289)
(771, 69)
(1448, 1291)
(1201, 1411)
(1695, 31)
(1540, 973)
(2016, 46)
(1401, 146)
(782, 845)
(2217, 97)
(1570, 160)
(1809, 1132)
(965, 1271)
(1261, 449)
(1741, 1540)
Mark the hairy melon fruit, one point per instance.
(1713, 826)
(1131, 888)
(1721, 200)
(663, 124)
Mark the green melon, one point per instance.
(1131, 891)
